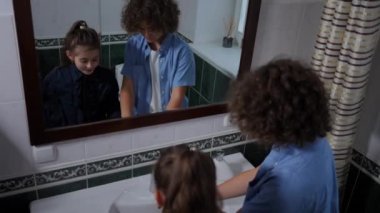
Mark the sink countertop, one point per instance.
(100, 198)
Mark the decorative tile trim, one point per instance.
(52, 42)
(58, 42)
(109, 164)
(148, 156)
(153, 155)
(61, 41)
(371, 167)
(201, 144)
(228, 139)
(357, 157)
(104, 38)
(17, 183)
(135, 161)
(61, 174)
(119, 37)
(365, 163)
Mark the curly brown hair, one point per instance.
(160, 15)
(283, 102)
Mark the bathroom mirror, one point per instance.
(38, 51)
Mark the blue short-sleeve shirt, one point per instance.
(176, 64)
(295, 179)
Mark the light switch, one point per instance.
(44, 154)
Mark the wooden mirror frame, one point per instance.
(28, 56)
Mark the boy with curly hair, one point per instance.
(283, 104)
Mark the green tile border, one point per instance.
(48, 42)
(208, 81)
(147, 156)
(371, 167)
(229, 150)
(100, 172)
(58, 42)
(18, 203)
(109, 164)
(61, 189)
(61, 174)
(118, 37)
(228, 139)
(142, 170)
(104, 179)
(116, 53)
(222, 83)
(106, 38)
(18, 183)
(199, 64)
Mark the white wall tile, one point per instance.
(367, 139)
(6, 7)
(287, 29)
(152, 136)
(281, 15)
(186, 20)
(274, 43)
(53, 18)
(373, 151)
(15, 152)
(195, 128)
(110, 16)
(68, 153)
(210, 26)
(219, 124)
(108, 144)
(276, 34)
(11, 89)
(308, 30)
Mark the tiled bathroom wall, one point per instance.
(211, 84)
(23, 190)
(286, 27)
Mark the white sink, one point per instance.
(135, 199)
(140, 199)
(131, 195)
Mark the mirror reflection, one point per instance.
(184, 57)
(159, 66)
(80, 90)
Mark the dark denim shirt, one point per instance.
(71, 97)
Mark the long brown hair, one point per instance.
(188, 181)
(80, 34)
